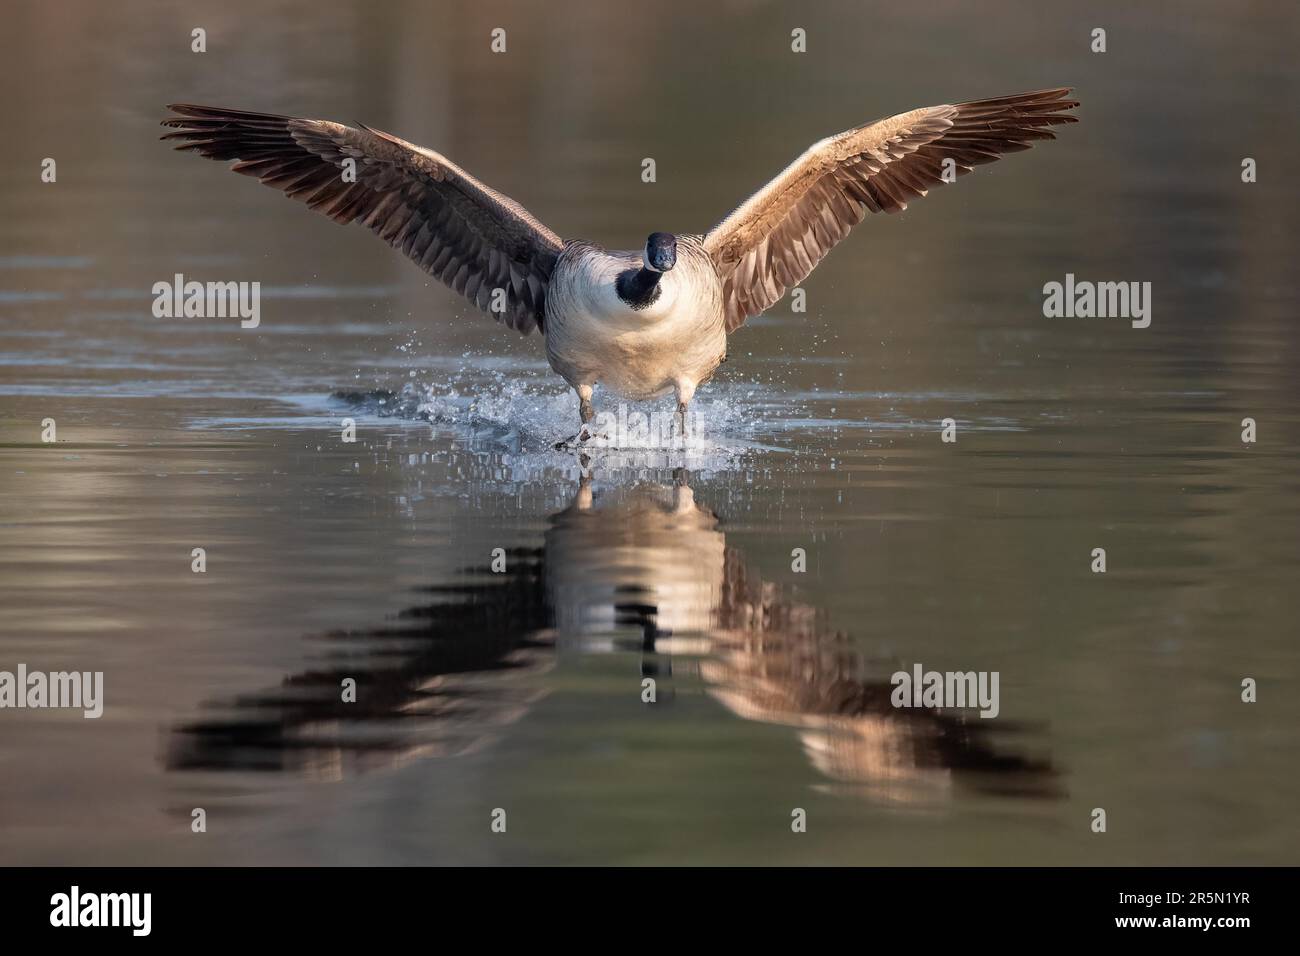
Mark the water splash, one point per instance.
(527, 415)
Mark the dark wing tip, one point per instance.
(211, 129)
(1053, 99)
(220, 112)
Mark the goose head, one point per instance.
(660, 251)
(639, 288)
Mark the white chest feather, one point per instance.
(593, 335)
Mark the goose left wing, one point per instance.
(454, 227)
(777, 237)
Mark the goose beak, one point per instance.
(663, 259)
(660, 252)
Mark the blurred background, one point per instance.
(523, 691)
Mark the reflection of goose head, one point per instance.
(645, 558)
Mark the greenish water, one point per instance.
(522, 689)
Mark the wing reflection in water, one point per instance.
(646, 568)
(436, 680)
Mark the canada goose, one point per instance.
(644, 322)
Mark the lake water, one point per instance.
(520, 689)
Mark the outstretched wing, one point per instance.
(471, 237)
(777, 237)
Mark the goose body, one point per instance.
(671, 343)
(642, 323)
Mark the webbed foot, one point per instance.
(584, 435)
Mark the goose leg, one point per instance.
(586, 412)
(685, 392)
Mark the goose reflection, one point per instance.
(644, 570)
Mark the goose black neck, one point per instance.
(638, 287)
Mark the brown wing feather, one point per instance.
(455, 228)
(777, 237)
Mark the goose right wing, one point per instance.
(777, 237)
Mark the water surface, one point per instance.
(522, 689)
